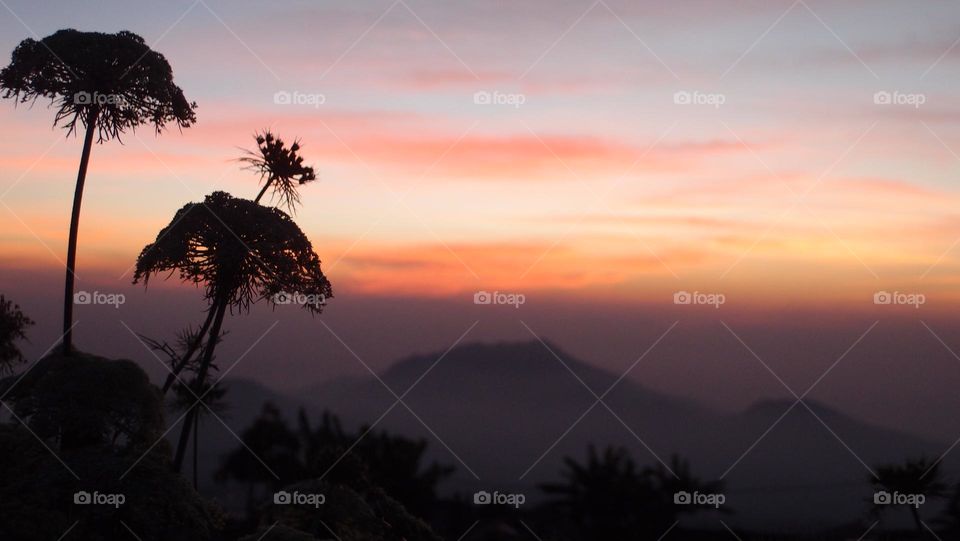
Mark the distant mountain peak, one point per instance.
(778, 406)
(513, 356)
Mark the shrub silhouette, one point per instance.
(84, 400)
(106, 84)
(353, 515)
(95, 425)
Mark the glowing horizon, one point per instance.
(593, 179)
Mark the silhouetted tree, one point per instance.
(241, 252)
(609, 497)
(601, 495)
(913, 477)
(271, 441)
(13, 324)
(280, 168)
(376, 461)
(108, 83)
(392, 462)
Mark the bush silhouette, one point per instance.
(93, 425)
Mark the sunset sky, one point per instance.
(597, 184)
(632, 150)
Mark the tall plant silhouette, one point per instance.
(105, 84)
(280, 167)
(240, 252)
(211, 396)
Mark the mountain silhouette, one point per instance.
(509, 412)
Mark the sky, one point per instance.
(793, 159)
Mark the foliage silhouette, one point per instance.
(377, 460)
(280, 168)
(609, 497)
(349, 514)
(279, 532)
(180, 356)
(84, 400)
(392, 462)
(268, 439)
(241, 252)
(13, 324)
(93, 425)
(106, 83)
(919, 476)
(950, 518)
(181, 360)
